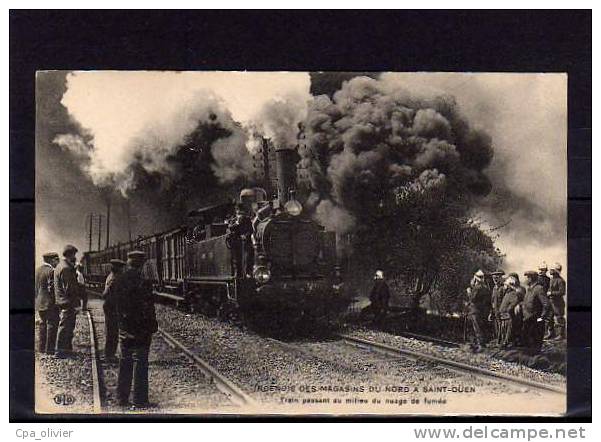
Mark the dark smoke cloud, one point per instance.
(370, 138)
(327, 83)
(208, 167)
(526, 116)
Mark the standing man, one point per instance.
(535, 308)
(239, 240)
(496, 298)
(111, 319)
(45, 304)
(82, 284)
(507, 314)
(379, 297)
(137, 322)
(478, 305)
(545, 281)
(542, 276)
(68, 294)
(556, 294)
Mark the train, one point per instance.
(283, 274)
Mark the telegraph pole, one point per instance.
(90, 233)
(108, 219)
(128, 210)
(99, 229)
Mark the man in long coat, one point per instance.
(379, 297)
(478, 306)
(111, 318)
(137, 323)
(556, 294)
(536, 309)
(68, 295)
(508, 313)
(496, 298)
(45, 304)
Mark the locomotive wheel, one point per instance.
(281, 323)
(207, 308)
(228, 312)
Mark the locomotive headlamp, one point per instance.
(262, 275)
(293, 207)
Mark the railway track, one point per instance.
(102, 401)
(432, 339)
(456, 366)
(223, 384)
(97, 384)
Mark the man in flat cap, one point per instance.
(82, 284)
(556, 294)
(478, 306)
(496, 298)
(535, 311)
(239, 240)
(45, 304)
(137, 322)
(111, 319)
(68, 295)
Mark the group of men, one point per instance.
(520, 317)
(59, 292)
(130, 318)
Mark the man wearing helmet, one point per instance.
(556, 293)
(379, 297)
(498, 292)
(542, 276)
(508, 312)
(544, 281)
(478, 305)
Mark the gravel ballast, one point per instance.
(329, 376)
(461, 354)
(176, 386)
(65, 385)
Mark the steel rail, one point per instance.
(226, 386)
(454, 365)
(430, 339)
(98, 402)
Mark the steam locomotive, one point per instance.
(282, 274)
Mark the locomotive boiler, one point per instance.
(262, 260)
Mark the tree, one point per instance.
(421, 236)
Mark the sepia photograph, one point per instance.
(300, 243)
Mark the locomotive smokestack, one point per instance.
(286, 160)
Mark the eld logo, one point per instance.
(64, 399)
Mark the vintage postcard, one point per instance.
(306, 243)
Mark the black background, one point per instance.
(501, 41)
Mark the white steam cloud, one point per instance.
(147, 115)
